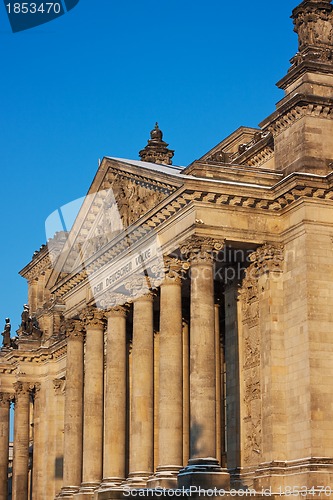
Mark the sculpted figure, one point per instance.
(6, 333)
(25, 319)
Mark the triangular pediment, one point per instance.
(119, 197)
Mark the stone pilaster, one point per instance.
(4, 444)
(170, 397)
(114, 457)
(203, 467)
(32, 295)
(264, 364)
(93, 414)
(73, 419)
(142, 391)
(21, 441)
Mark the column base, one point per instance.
(111, 482)
(86, 491)
(164, 477)
(111, 494)
(68, 492)
(138, 479)
(205, 473)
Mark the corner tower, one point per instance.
(302, 125)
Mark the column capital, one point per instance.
(74, 329)
(173, 270)
(201, 249)
(111, 299)
(138, 286)
(147, 297)
(5, 399)
(267, 258)
(116, 311)
(21, 387)
(93, 318)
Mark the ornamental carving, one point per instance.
(23, 387)
(200, 249)
(73, 329)
(59, 385)
(5, 399)
(267, 258)
(133, 199)
(138, 286)
(250, 360)
(93, 318)
(111, 299)
(173, 271)
(313, 23)
(117, 310)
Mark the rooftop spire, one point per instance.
(157, 150)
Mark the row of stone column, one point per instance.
(88, 463)
(22, 396)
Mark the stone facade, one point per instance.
(181, 334)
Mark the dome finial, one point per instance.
(157, 150)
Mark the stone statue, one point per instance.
(29, 324)
(6, 333)
(25, 319)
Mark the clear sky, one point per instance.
(93, 82)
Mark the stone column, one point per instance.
(233, 379)
(73, 410)
(38, 455)
(170, 397)
(142, 391)
(21, 441)
(203, 468)
(4, 444)
(218, 384)
(114, 465)
(93, 414)
(186, 393)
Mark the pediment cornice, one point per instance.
(201, 192)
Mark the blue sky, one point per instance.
(93, 82)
